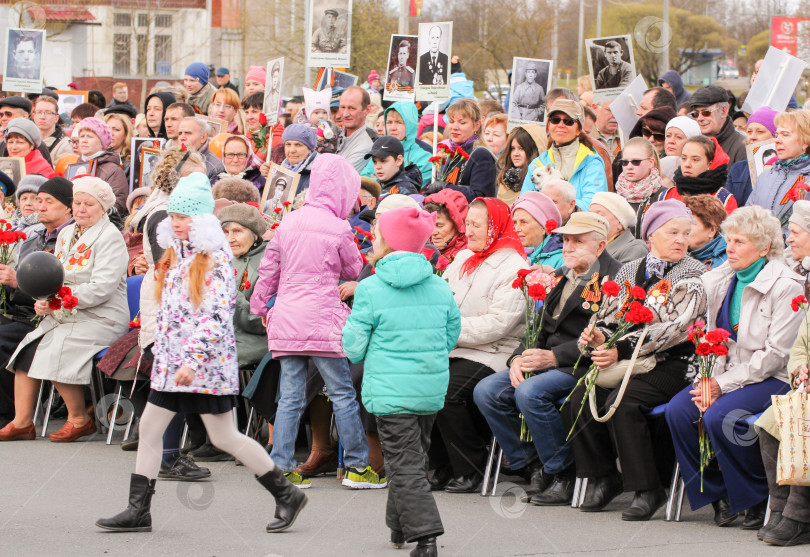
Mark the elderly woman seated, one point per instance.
(535, 217)
(492, 314)
(677, 299)
(62, 347)
(449, 235)
(748, 297)
(706, 244)
(622, 243)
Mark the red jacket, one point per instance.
(35, 163)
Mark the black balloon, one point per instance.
(40, 275)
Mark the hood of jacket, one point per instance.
(410, 116)
(166, 98)
(334, 185)
(674, 79)
(108, 155)
(402, 269)
(538, 134)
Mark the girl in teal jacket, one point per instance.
(403, 324)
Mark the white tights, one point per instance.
(221, 431)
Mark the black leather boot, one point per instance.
(397, 539)
(773, 520)
(600, 492)
(289, 499)
(722, 512)
(136, 517)
(560, 492)
(788, 533)
(425, 547)
(755, 516)
(645, 504)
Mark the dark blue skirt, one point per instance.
(193, 403)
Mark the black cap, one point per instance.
(384, 147)
(60, 188)
(707, 96)
(48, 92)
(123, 108)
(17, 102)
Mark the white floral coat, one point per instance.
(200, 338)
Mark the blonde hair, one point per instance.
(229, 96)
(799, 121)
(647, 146)
(196, 275)
(140, 120)
(584, 81)
(759, 224)
(470, 109)
(127, 123)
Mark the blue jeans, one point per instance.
(536, 398)
(291, 405)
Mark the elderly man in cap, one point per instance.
(327, 38)
(528, 100)
(223, 76)
(710, 107)
(16, 107)
(503, 396)
(199, 89)
(622, 245)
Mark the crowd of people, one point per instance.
(377, 289)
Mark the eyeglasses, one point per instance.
(557, 119)
(237, 156)
(44, 113)
(648, 133)
(222, 105)
(705, 112)
(634, 162)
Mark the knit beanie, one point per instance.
(660, 213)
(301, 133)
(540, 207)
(98, 127)
(317, 100)
(245, 215)
(198, 71)
(25, 128)
(97, 188)
(256, 73)
(617, 205)
(765, 116)
(60, 188)
(30, 183)
(192, 196)
(407, 228)
(372, 75)
(136, 193)
(688, 126)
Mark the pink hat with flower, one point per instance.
(540, 207)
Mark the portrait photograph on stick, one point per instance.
(611, 64)
(22, 72)
(433, 71)
(329, 36)
(272, 90)
(400, 75)
(531, 80)
(279, 188)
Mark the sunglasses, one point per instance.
(7, 114)
(634, 162)
(648, 133)
(705, 112)
(557, 119)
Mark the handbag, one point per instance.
(618, 375)
(792, 412)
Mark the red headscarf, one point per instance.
(501, 234)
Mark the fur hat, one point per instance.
(246, 215)
(235, 189)
(30, 184)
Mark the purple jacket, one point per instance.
(313, 250)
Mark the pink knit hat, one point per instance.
(98, 127)
(257, 73)
(407, 228)
(539, 206)
(372, 75)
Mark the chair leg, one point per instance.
(681, 488)
(46, 418)
(768, 510)
(577, 488)
(114, 414)
(582, 492)
(249, 421)
(488, 469)
(38, 405)
(185, 434)
(497, 472)
(96, 410)
(673, 487)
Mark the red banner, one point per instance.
(416, 8)
(792, 35)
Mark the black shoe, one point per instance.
(600, 492)
(136, 517)
(184, 470)
(722, 512)
(289, 499)
(465, 484)
(439, 478)
(559, 493)
(209, 453)
(645, 504)
(538, 480)
(131, 444)
(755, 516)
(788, 533)
(425, 547)
(773, 521)
(397, 539)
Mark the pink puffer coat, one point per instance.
(313, 250)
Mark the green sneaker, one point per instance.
(363, 479)
(298, 481)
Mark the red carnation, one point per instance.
(437, 158)
(720, 350)
(442, 263)
(610, 288)
(517, 283)
(638, 293)
(64, 292)
(703, 349)
(523, 273)
(252, 204)
(277, 210)
(274, 226)
(551, 225)
(287, 203)
(537, 292)
(70, 302)
(262, 119)
(183, 147)
(717, 336)
(55, 303)
(798, 302)
(460, 152)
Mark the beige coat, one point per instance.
(768, 325)
(492, 312)
(65, 353)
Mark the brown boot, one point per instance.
(319, 462)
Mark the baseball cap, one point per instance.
(386, 146)
(584, 221)
(222, 71)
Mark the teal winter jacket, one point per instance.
(404, 323)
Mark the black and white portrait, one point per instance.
(68, 100)
(139, 144)
(23, 69)
(759, 155)
(400, 75)
(80, 169)
(14, 168)
(530, 83)
(272, 90)
(329, 38)
(149, 159)
(612, 67)
(279, 188)
(433, 72)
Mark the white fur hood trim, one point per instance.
(206, 234)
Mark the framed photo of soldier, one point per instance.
(531, 80)
(149, 159)
(400, 75)
(87, 168)
(68, 100)
(759, 154)
(139, 144)
(22, 72)
(13, 167)
(272, 90)
(329, 33)
(215, 125)
(280, 187)
(612, 66)
(433, 69)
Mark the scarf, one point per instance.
(455, 245)
(636, 192)
(655, 267)
(501, 234)
(707, 182)
(513, 178)
(466, 145)
(790, 162)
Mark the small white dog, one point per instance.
(544, 174)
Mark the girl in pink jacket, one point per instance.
(312, 251)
